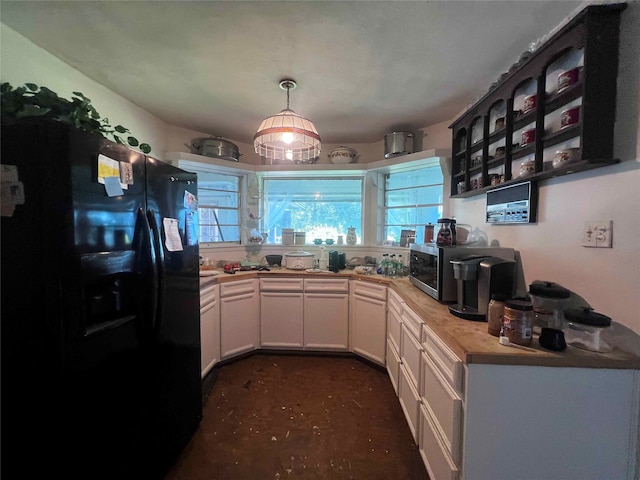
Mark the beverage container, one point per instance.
(517, 322)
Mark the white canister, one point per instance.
(287, 236)
(299, 238)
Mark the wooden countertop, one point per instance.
(469, 340)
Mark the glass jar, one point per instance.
(549, 302)
(583, 329)
(446, 232)
(495, 313)
(518, 322)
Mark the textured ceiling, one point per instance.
(364, 68)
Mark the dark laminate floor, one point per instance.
(301, 417)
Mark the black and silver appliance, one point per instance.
(478, 277)
(100, 308)
(337, 261)
(430, 267)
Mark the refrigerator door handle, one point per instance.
(156, 243)
(148, 270)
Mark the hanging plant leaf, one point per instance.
(31, 100)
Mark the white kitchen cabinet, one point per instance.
(239, 317)
(326, 314)
(433, 452)
(281, 313)
(409, 401)
(209, 325)
(367, 320)
(393, 366)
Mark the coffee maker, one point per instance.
(478, 277)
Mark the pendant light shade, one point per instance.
(286, 137)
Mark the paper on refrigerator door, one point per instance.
(172, 239)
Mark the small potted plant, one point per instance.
(32, 100)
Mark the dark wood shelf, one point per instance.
(595, 33)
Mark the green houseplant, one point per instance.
(32, 100)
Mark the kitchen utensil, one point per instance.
(527, 168)
(298, 260)
(583, 329)
(216, 147)
(273, 260)
(287, 236)
(343, 155)
(552, 339)
(568, 78)
(549, 301)
(569, 117)
(566, 156)
(398, 143)
(352, 237)
(528, 136)
(530, 103)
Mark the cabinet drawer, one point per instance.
(444, 406)
(238, 287)
(393, 365)
(411, 355)
(370, 290)
(412, 321)
(326, 285)
(439, 464)
(394, 301)
(394, 325)
(449, 365)
(281, 284)
(409, 401)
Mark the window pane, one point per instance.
(218, 207)
(414, 196)
(412, 199)
(322, 207)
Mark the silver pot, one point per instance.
(216, 147)
(398, 143)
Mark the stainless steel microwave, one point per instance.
(431, 271)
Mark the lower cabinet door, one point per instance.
(326, 321)
(393, 365)
(409, 401)
(281, 316)
(433, 452)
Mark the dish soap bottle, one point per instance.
(352, 238)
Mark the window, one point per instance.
(411, 200)
(219, 207)
(321, 207)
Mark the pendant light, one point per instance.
(286, 137)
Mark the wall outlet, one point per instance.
(597, 233)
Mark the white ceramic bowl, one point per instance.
(342, 155)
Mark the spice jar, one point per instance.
(495, 313)
(518, 322)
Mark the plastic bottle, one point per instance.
(392, 265)
(400, 266)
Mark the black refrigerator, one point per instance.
(100, 326)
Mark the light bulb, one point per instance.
(287, 137)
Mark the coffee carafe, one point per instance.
(478, 277)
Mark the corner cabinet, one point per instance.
(559, 98)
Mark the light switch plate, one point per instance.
(597, 233)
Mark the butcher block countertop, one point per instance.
(469, 340)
